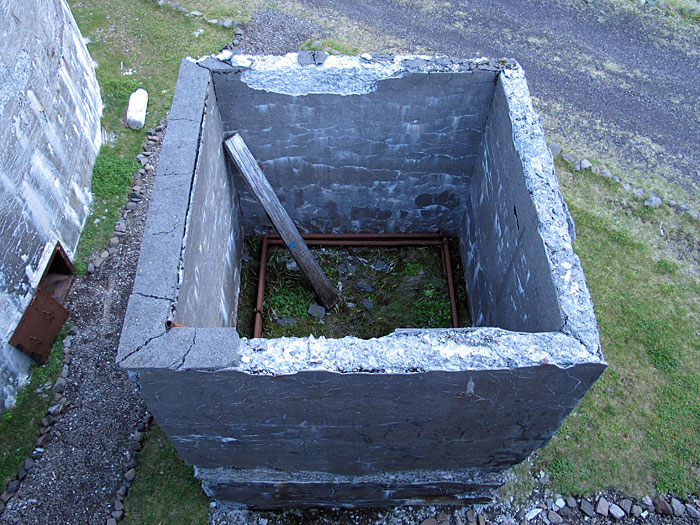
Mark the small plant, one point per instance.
(411, 268)
(665, 267)
(432, 310)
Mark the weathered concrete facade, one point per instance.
(50, 134)
(418, 415)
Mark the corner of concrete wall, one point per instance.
(554, 221)
(211, 259)
(156, 283)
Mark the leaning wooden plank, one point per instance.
(252, 173)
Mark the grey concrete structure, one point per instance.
(50, 133)
(373, 144)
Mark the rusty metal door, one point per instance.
(37, 329)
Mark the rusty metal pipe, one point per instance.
(359, 242)
(257, 329)
(450, 282)
(370, 236)
(172, 324)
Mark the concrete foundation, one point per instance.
(366, 144)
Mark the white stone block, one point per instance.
(136, 112)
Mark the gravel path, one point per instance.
(609, 78)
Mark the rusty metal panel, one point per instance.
(37, 330)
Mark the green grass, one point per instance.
(165, 489)
(637, 428)
(138, 37)
(412, 293)
(111, 180)
(20, 424)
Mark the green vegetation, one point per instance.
(136, 44)
(165, 489)
(410, 292)
(111, 179)
(636, 430)
(19, 425)
(330, 46)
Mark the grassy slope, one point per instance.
(20, 424)
(636, 430)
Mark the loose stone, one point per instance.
(118, 505)
(678, 507)
(587, 508)
(568, 157)
(662, 506)
(130, 206)
(21, 473)
(90, 268)
(653, 202)
(367, 303)
(12, 486)
(117, 514)
(111, 521)
(586, 164)
(532, 514)
(555, 149)
(59, 386)
(130, 474)
(316, 311)
(602, 506)
(692, 511)
(571, 502)
(616, 512)
(480, 520)
(429, 521)
(554, 518)
(616, 179)
(626, 505)
(636, 511)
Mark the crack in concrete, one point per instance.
(150, 296)
(189, 349)
(141, 347)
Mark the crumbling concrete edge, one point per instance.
(155, 286)
(339, 74)
(555, 223)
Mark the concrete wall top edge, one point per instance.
(555, 222)
(344, 75)
(404, 351)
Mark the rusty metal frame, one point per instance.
(358, 239)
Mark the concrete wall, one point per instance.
(214, 236)
(419, 415)
(506, 269)
(50, 133)
(346, 163)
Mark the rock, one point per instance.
(606, 173)
(305, 58)
(602, 507)
(577, 165)
(681, 209)
(533, 513)
(555, 149)
(118, 505)
(12, 486)
(117, 514)
(5, 497)
(627, 186)
(122, 492)
(316, 311)
(672, 203)
(227, 23)
(28, 464)
(636, 511)
(596, 170)
(59, 386)
(363, 286)
(626, 505)
(120, 226)
(21, 473)
(136, 111)
(65, 371)
(586, 164)
(554, 518)
(550, 504)
(639, 192)
(429, 521)
(568, 158)
(647, 503)
(291, 265)
(55, 410)
(662, 506)
(380, 266)
(130, 474)
(616, 179)
(694, 214)
(559, 502)
(90, 268)
(130, 206)
(192, 13)
(111, 521)
(692, 511)
(213, 21)
(653, 202)
(587, 508)
(678, 507)
(198, 32)
(616, 512)
(114, 242)
(571, 502)
(367, 303)
(480, 520)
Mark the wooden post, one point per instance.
(252, 173)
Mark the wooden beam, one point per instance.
(248, 166)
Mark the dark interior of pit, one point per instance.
(380, 289)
